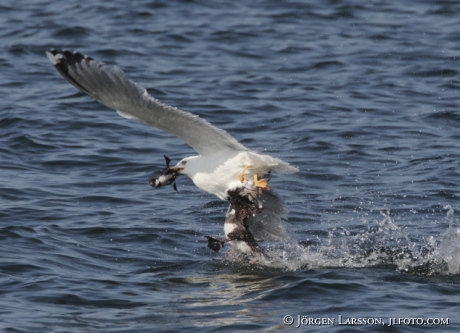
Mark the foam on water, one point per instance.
(385, 245)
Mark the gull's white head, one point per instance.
(187, 166)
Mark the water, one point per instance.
(361, 96)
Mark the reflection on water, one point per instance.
(219, 293)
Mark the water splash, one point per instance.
(446, 257)
(385, 244)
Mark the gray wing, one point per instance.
(111, 87)
(268, 224)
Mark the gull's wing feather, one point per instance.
(268, 225)
(111, 87)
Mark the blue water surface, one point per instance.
(362, 97)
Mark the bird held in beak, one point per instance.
(167, 177)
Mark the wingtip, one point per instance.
(65, 62)
(57, 57)
(54, 56)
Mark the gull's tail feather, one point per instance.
(284, 167)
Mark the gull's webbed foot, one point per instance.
(262, 183)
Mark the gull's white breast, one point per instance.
(216, 173)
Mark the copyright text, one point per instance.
(300, 320)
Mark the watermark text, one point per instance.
(302, 320)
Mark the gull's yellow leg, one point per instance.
(241, 176)
(262, 183)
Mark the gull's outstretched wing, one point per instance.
(111, 87)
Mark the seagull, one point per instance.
(223, 166)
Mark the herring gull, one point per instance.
(223, 166)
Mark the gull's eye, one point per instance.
(184, 162)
